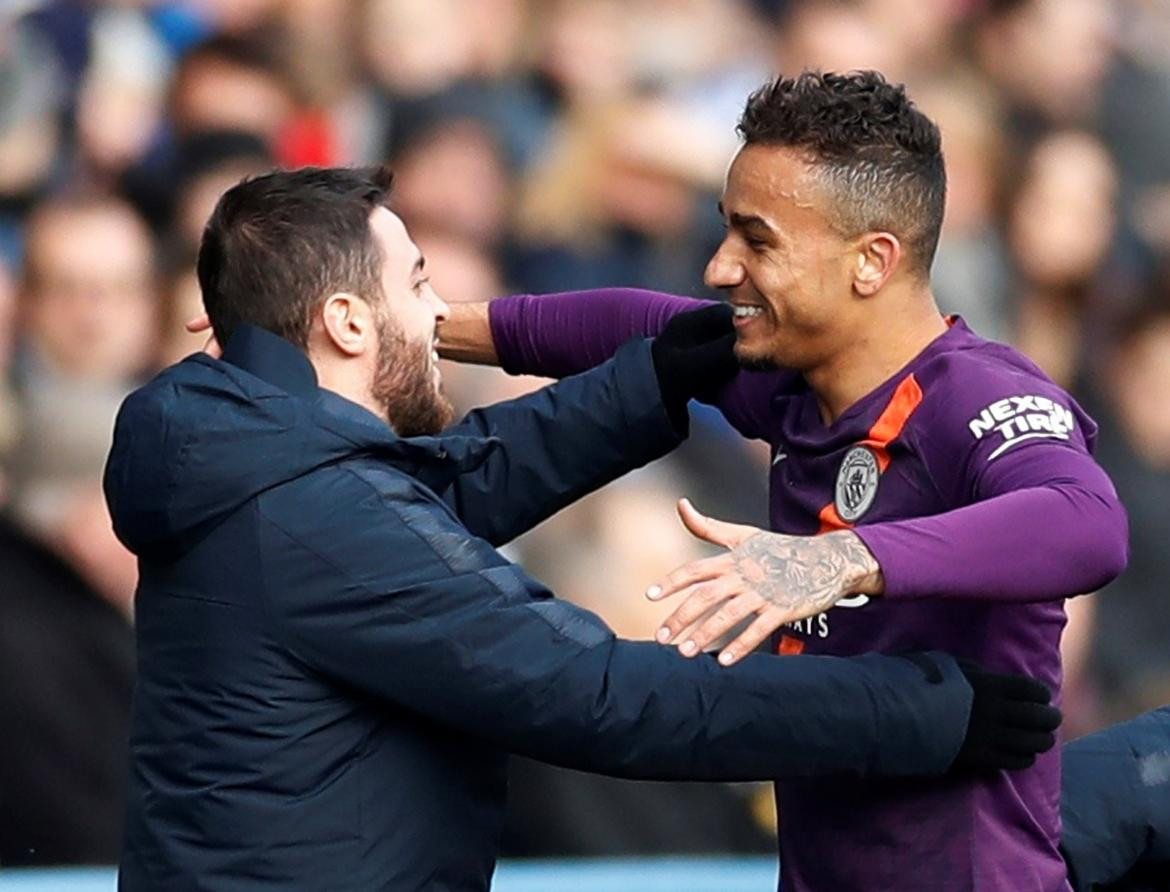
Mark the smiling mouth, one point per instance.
(745, 311)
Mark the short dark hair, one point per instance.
(278, 245)
(879, 156)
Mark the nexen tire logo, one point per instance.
(1020, 418)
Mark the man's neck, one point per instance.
(349, 380)
(876, 355)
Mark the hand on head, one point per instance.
(200, 324)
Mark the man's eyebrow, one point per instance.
(745, 220)
(418, 265)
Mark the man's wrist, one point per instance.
(466, 334)
(866, 577)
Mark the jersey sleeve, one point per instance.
(1032, 516)
(556, 335)
(562, 334)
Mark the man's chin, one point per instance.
(421, 419)
(755, 361)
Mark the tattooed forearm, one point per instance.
(807, 574)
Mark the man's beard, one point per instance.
(404, 384)
(756, 363)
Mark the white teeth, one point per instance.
(741, 312)
(435, 355)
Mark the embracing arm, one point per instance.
(560, 443)
(562, 334)
(426, 618)
(1048, 525)
(556, 334)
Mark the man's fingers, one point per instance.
(689, 574)
(1029, 743)
(212, 348)
(719, 532)
(751, 637)
(198, 324)
(1021, 688)
(729, 615)
(1031, 716)
(697, 603)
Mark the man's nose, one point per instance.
(723, 270)
(442, 311)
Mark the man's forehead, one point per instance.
(397, 244)
(767, 180)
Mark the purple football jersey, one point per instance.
(961, 473)
(920, 445)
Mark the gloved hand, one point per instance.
(693, 358)
(1011, 722)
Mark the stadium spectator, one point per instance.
(1131, 626)
(233, 83)
(67, 664)
(1062, 231)
(88, 314)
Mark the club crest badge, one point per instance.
(857, 483)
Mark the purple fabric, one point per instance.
(989, 512)
(557, 335)
(1074, 519)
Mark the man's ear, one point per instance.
(877, 257)
(347, 323)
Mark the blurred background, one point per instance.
(539, 145)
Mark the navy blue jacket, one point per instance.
(1115, 807)
(334, 659)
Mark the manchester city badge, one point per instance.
(857, 483)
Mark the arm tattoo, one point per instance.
(805, 573)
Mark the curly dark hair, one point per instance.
(879, 157)
(278, 245)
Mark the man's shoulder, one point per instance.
(970, 363)
(370, 516)
(353, 492)
(979, 389)
(970, 374)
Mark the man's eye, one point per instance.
(418, 286)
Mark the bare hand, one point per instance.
(774, 577)
(200, 324)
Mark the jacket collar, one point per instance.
(273, 359)
(435, 460)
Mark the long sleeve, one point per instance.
(563, 334)
(1050, 528)
(1033, 517)
(556, 445)
(411, 610)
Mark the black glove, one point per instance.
(693, 358)
(1011, 722)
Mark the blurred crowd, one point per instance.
(538, 145)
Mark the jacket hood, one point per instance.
(207, 435)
